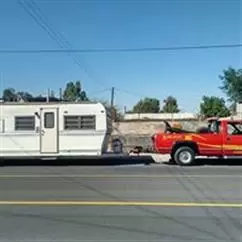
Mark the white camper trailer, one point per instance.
(39, 130)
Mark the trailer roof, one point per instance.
(47, 103)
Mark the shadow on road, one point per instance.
(85, 161)
(219, 162)
(213, 162)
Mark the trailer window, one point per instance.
(25, 123)
(49, 120)
(87, 122)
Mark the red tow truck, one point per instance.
(221, 138)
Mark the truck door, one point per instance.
(49, 130)
(233, 139)
(212, 143)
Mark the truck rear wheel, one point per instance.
(184, 156)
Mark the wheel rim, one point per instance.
(185, 157)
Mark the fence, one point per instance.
(160, 116)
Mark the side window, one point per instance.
(234, 129)
(230, 129)
(87, 122)
(24, 123)
(49, 122)
(215, 127)
(71, 122)
(219, 127)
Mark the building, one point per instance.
(239, 109)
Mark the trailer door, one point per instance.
(49, 130)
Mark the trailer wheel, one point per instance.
(184, 156)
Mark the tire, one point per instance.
(184, 156)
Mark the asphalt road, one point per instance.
(121, 203)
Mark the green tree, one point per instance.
(24, 95)
(10, 95)
(73, 92)
(115, 111)
(147, 105)
(232, 84)
(171, 105)
(213, 106)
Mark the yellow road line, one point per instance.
(120, 203)
(114, 176)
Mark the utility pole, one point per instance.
(112, 103)
(48, 95)
(112, 97)
(60, 94)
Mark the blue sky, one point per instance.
(187, 75)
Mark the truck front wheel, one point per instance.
(184, 156)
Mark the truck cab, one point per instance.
(221, 138)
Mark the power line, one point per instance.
(38, 16)
(139, 95)
(172, 48)
(99, 91)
